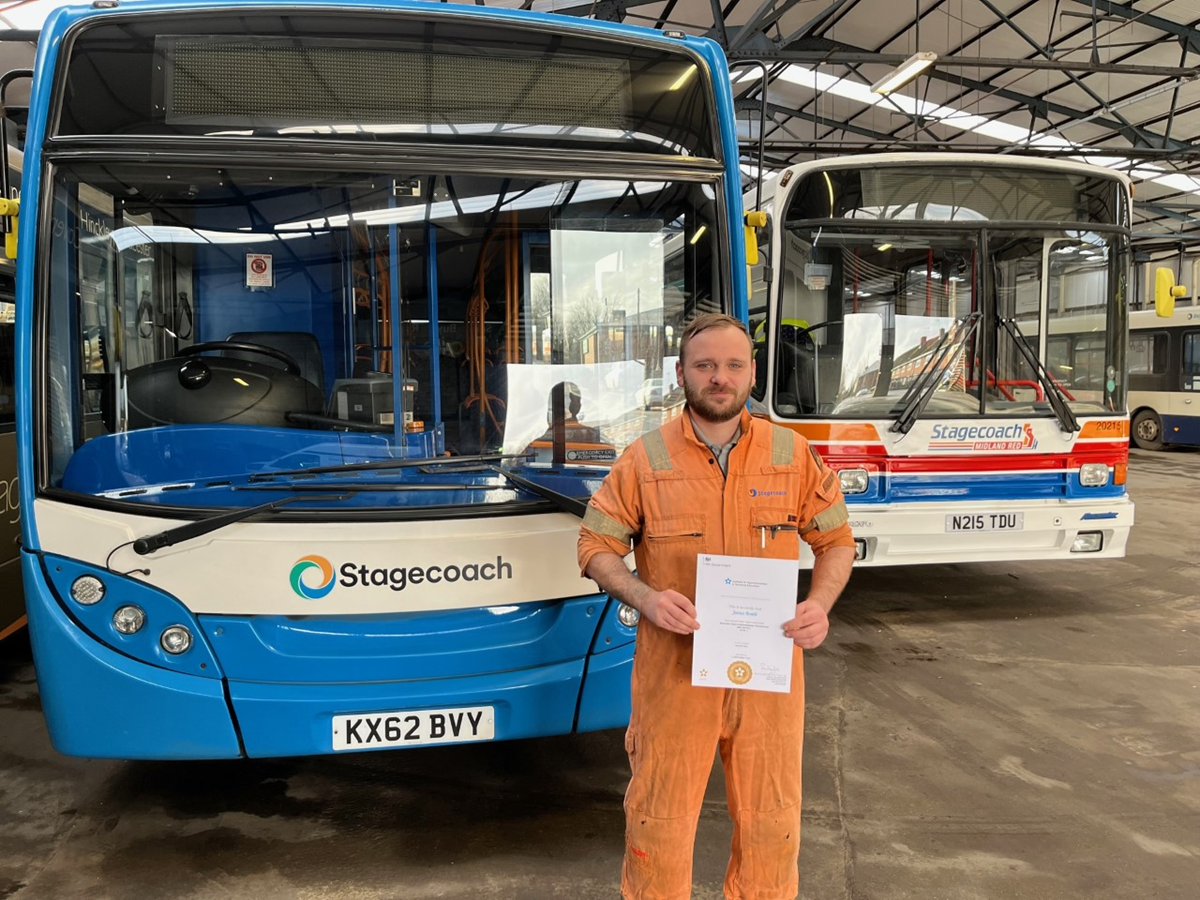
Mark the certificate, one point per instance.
(741, 605)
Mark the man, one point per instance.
(578, 442)
(713, 481)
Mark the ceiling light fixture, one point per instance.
(905, 72)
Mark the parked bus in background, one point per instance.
(12, 601)
(1164, 378)
(12, 604)
(908, 310)
(302, 286)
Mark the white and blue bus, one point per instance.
(914, 330)
(1164, 378)
(328, 317)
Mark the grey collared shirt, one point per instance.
(720, 453)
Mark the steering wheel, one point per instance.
(289, 364)
(811, 328)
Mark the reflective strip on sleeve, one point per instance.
(783, 445)
(656, 451)
(605, 525)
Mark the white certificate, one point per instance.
(741, 605)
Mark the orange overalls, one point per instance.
(667, 496)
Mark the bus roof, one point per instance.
(874, 160)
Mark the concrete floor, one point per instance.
(975, 733)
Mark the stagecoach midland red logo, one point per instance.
(312, 576)
(957, 438)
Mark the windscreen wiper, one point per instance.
(383, 464)
(943, 355)
(915, 389)
(1066, 419)
(566, 503)
(172, 536)
(573, 505)
(336, 491)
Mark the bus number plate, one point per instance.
(414, 728)
(994, 521)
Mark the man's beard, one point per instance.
(699, 404)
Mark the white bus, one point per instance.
(1164, 378)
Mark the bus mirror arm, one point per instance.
(144, 545)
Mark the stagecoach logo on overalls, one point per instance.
(956, 438)
(312, 576)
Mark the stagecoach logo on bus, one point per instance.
(312, 576)
(956, 438)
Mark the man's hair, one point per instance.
(704, 323)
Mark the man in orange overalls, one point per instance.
(713, 481)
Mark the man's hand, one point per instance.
(810, 626)
(669, 610)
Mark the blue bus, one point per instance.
(329, 319)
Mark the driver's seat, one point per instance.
(301, 346)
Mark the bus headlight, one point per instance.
(87, 590)
(1088, 542)
(175, 640)
(628, 616)
(129, 619)
(854, 481)
(1093, 474)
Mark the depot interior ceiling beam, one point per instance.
(1187, 34)
(1038, 106)
(767, 14)
(860, 57)
(1135, 134)
(817, 22)
(775, 109)
(1166, 212)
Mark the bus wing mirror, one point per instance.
(9, 210)
(754, 221)
(1165, 292)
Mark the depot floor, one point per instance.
(977, 732)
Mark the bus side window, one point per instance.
(1191, 361)
(1148, 353)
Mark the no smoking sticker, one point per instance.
(260, 272)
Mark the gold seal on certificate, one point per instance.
(741, 604)
(740, 672)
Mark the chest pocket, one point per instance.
(670, 532)
(775, 532)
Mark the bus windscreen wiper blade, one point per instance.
(381, 464)
(940, 359)
(573, 505)
(172, 536)
(366, 487)
(1066, 419)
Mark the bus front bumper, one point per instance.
(911, 533)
